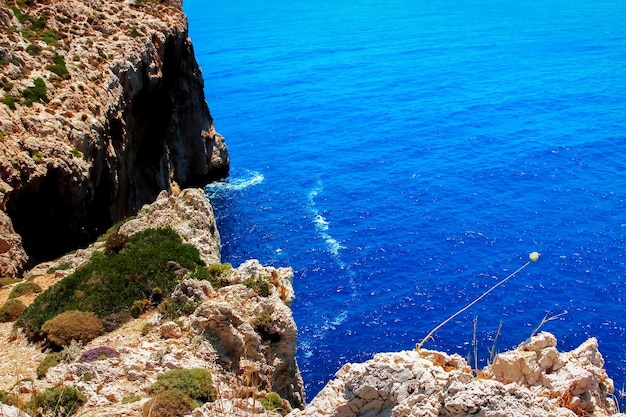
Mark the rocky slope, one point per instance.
(244, 337)
(102, 108)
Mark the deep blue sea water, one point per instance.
(403, 156)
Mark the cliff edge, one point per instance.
(102, 108)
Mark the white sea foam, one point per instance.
(321, 224)
(236, 182)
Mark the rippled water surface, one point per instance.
(403, 156)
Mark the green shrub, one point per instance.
(58, 67)
(259, 285)
(172, 309)
(197, 384)
(50, 36)
(33, 49)
(8, 398)
(11, 310)
(21, 16)
(24, 288)
(147, 328)
(9, 100)
(111, 282)
(35, 94)
(72, 325)
(57, 401)
(274, 402)
(37, 156)
(76, 153)
(168, 404)
(49, 361)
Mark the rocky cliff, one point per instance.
(241, 330)
(102, 108)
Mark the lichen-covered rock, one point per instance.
(522, 382)
(189, 213)
(103, 107)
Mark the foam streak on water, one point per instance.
(404, 156)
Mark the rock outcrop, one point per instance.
(241, 330)
(532, 380)
(103, 108)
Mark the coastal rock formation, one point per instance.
(240, 329)
(532, 380)
(103, 108)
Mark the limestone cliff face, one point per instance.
(121, 116)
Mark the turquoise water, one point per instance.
(404, 156)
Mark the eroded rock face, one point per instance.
(13, 258)
(533, 380)
(254, 336)
(124, 120)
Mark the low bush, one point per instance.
(38, 93)
(57, 401)
(216, 274)
(9, 100)
(197, 384)
(49, 361)
(11, 310)
(260, 285)
(9, 281)
(23, 288)
(99, 353)
(168, 404)
(172, 308)
(72, 325)
(8, 398)
(112, 282)
(274, 402)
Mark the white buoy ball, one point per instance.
(534, 256)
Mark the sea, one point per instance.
(404, 156)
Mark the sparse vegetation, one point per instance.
(9, 100)
(168, 404)
(57, 401)
(8, 281)
(260, 285)
(274, 402)
(11, 310)
(49, 361)
(72, 325)
(23, 288)
(35, 94)
(112, 282)
(58, 67)
(196, 384)
(266, 327)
